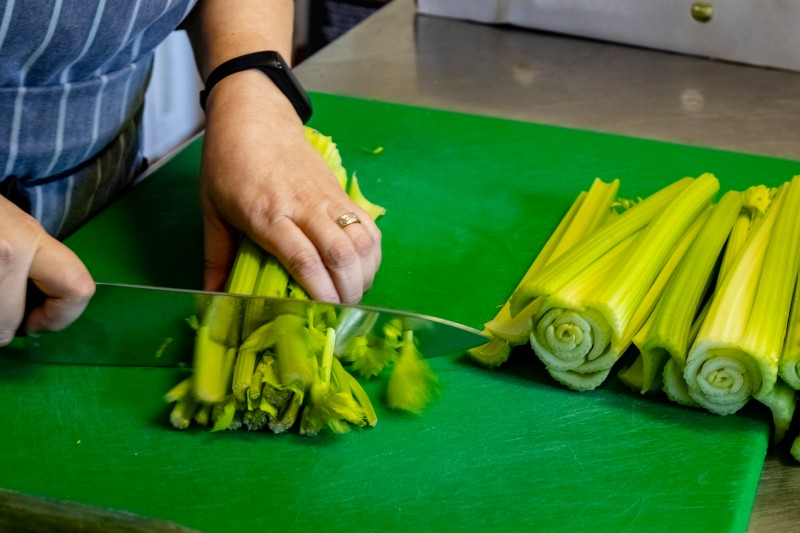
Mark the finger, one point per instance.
(220, 243)
(66, 283)
(293, 248)
(12, 304)
(366, 239)
(337, 248)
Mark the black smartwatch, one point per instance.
(271, 64)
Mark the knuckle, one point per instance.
(338, 254)
(304, 263)
(83, 287)
(363, 244)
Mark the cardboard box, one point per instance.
(763, 32)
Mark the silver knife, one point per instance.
(135, 325)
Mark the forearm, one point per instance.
(219, 31)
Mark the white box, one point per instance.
(755, 32)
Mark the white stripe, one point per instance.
(51, 28)
(6, 22)
(137, 45)
(89, 40)
(96, 122)
(37, 206)
(127, 35)
(98, 173)
(62, 119)
(125, 104)
(16, 125)
(16, 122)
(67, 203)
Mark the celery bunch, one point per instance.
(702, 294)
(263, 368)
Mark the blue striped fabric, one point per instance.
(73, 74)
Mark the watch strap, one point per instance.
(270, 63)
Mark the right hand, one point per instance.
(28, 252)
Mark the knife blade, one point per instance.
(136, 325)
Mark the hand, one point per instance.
(260, 176)
(28, 252)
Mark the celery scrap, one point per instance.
(412, 383)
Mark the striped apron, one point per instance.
(73, 75)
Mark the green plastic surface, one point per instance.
(470, 201)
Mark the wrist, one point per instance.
(272, 66)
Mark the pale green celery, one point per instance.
(256, 383)
(368, 355)
(254, 419)
(493, 353)
(203, 414)
(572, 262)
(272, 281)
(179, 391)
(327, 149)
(243, 372)
(220, 325)
(346, 381)
(213, 365)
(563, 338)
(781, 400)
(331, 402)
(585, 325)
(496, 351)
(675, 385)
(355, 194)
(183, 411)
(587, 213)
(633, 375)
(790, 358)
(736, 353)
(412, 383)
(751, 211)
(223, 414)
(666, 333)
(296, 366)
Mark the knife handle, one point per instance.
(34, 297)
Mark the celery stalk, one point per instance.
(558, 272)
(588, 211)
(586, 323)
(790, 357)
(666, 334)
(736, 353)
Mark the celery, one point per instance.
(412, 384)
(790, 357)
(266, 367)
(737, 350)
(666, 334)
(567, 266)
(355, 194)
(588, 211)
(586, 322)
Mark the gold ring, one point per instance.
(347, 219)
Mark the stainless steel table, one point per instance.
(398, 56)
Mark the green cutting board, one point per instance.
(470, 200)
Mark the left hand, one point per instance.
(260, 176)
